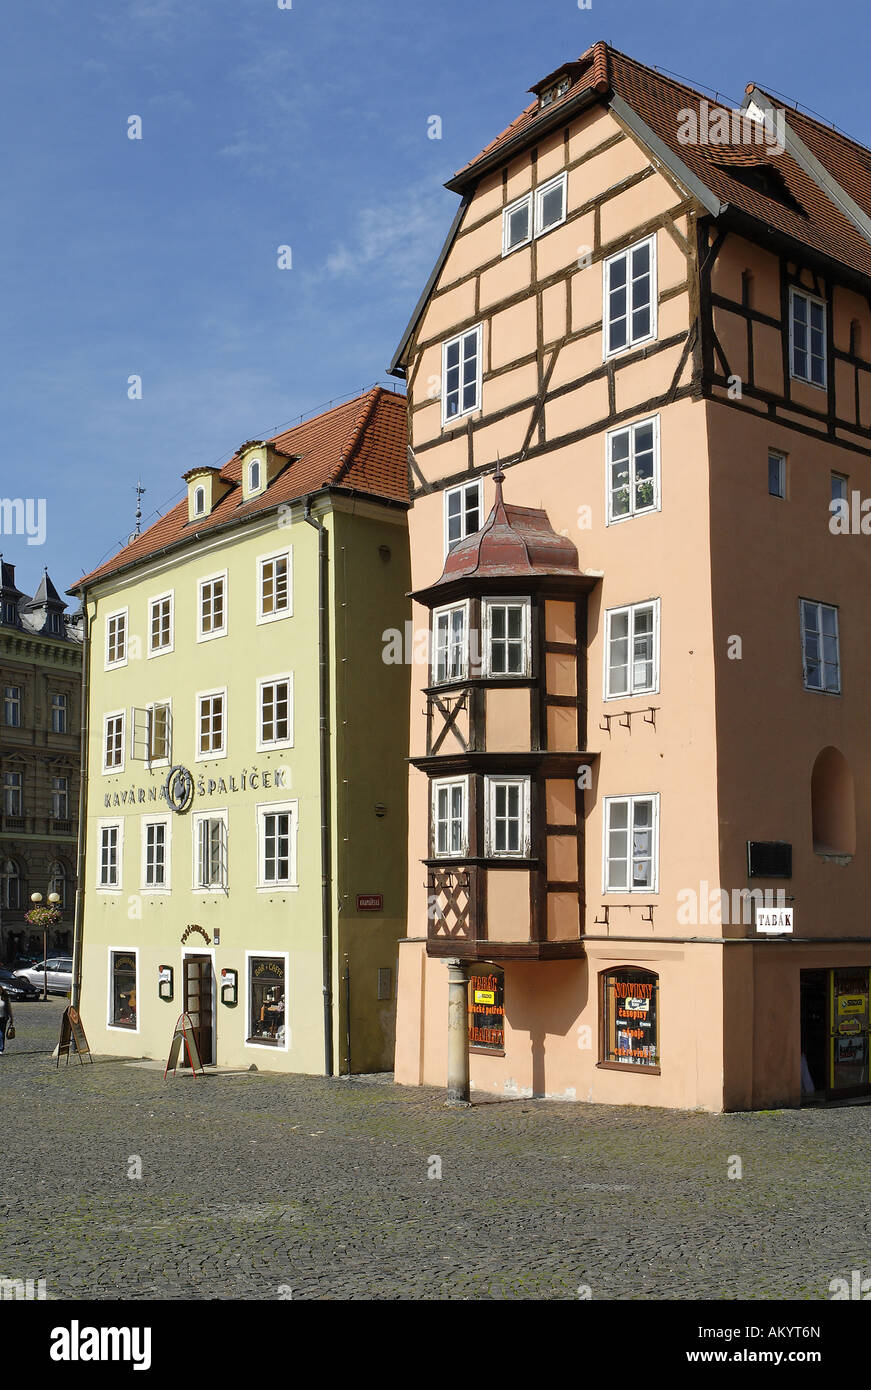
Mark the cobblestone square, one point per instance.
(253, 1185)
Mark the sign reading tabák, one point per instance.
(487, 1009)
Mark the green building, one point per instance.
(245, 782)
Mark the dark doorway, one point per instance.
(198, 1002)
(814, 1034)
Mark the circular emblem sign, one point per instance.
(179, 788)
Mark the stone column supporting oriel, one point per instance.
(458, 1034)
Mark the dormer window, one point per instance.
(199, 501)
(554, 92)
(254, 476)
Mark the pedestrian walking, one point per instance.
(7, 1028)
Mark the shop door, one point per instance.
(815, 1037)
(848, 1028)
(198, 1003)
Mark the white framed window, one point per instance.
(275, 712)
(211, 724)
(60, 798)
(507, 818)
(517, 224)
(277, 825)
(160, 625)
(156, 832)
(159, 717)
(12, 706)
(550, 204)
(807, 338)
(13, 793)
(507, 643)
(463, 512)
(450, 817)
(461, 375)
(111, 841)
(820, 647)
(210, 851)
(254, 475)
(631, 844)
(274, 586)
(450, 627)
(116, 639)
(59, 713)
(266, 1020)
(199, 501)
(632, 647)
(776, 473)
(123, 1012)
(633, 470)
(113, 741)
(629, 290)
(212, 607)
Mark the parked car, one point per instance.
(17, 987)
(57, 974)
(23, 961)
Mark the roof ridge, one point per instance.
(821, 122)
(355, 439)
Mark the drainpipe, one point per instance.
(324, 720)
(78, 925)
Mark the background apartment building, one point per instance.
(40, 720)
(246, 820)
(649, 679)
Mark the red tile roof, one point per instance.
(818, 223)
(358, 447)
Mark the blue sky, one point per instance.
(264, 127)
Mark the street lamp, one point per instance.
(36, 899)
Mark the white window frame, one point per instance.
(199, 500)
(114, 768)
(267, 955)
(110, 952)
(656, 505)
(280, 808)
(221, 631)
(12, 702)
(559, 180)
(19, 788)
(506, 223)
(437, 784)
(609, 801)
(211, 755)
(462, 606)
(199, 817)
(460, 490)
(490, 785)
(119, 661)
(265, 745)
(631, 342)
(819, 605)
(155, 889)
(513, 601)
(781, 460)
(110, 823)
(796, 293)
(284, 554)
(149, 710)
(64, 707)
(478, 331)
(260, 464)
(169, 597)
(56, 792)
(631, 609)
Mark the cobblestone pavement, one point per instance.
(253, 1185)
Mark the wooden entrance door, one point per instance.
(198, 1002)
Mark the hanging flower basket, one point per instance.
(43, 917)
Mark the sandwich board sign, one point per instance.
(184, 1034)
(73, 1034)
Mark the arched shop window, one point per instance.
(833, 804)
(630, 1019)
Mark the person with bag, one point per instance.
(7, 1027)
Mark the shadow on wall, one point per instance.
(544, 998)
